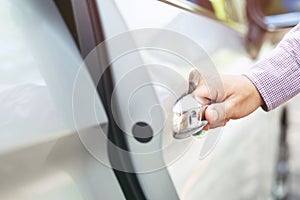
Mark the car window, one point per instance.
(230, 12)
(282, 6)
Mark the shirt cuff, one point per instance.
(276, 77)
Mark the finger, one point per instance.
(202, 100)
(194, 78)
(202, 92)
(211, 87)
(207, 127)
(218, 114)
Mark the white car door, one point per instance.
(60, 140)
(242, 155)
(43, 151)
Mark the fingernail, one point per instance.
(214, 114)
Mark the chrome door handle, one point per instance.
(187, 111)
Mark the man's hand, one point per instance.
(238, 98)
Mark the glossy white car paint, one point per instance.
(242, 163)
(43, 158)
(41, 154)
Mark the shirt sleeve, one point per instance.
(277, 76)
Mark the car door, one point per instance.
(76, 145)
(242, 155)
(44, 111)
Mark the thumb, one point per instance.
(216, 115)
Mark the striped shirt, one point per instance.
(277, 76)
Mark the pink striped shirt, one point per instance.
(277, 76)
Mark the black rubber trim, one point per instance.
(65, 8)
(128, 181)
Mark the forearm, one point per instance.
(277, 76)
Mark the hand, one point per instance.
(238, 98)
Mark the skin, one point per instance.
(238, 99)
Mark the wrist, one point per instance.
(254, 93)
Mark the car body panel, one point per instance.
(52, 160)
(241, 165)
(42, 154)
